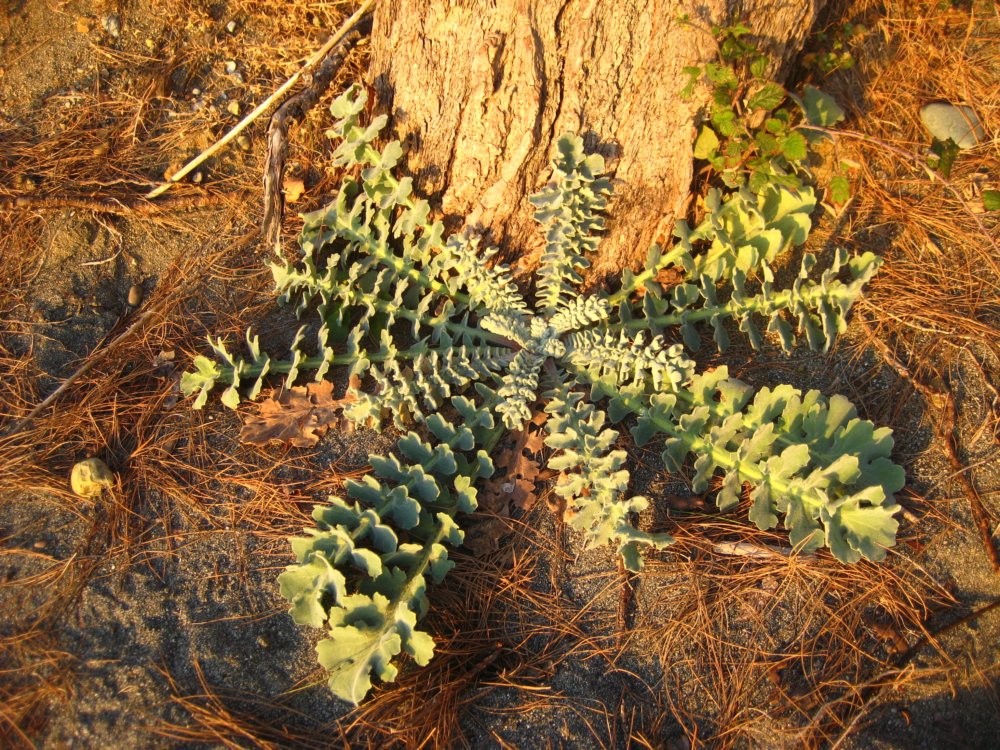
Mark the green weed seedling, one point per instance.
(750, 135)
(443, 343)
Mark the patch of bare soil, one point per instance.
(150, 616)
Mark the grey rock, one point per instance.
(956, 121)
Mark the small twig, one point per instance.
(266, 104)
(964, 620)
(626, 601)
(291, 111)
(102, 261)
(746, 549)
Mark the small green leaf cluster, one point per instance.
(813, 460)
(593, 479)
(942, 155)
(569, 209)
(745, 235)
(751, 135)
(834, 47)
(441, 342)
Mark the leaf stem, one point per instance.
(648, 274)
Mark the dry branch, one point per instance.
(243, 124)
(292, 111)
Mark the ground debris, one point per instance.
(518, 467)
(297, 416)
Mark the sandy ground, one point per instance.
(150, 617)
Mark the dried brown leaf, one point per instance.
(299, 416)
(483, 536)
(518, 467)
(667, 278)
(517, 470)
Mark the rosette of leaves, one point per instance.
(442, 342)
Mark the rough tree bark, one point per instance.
(479, 90)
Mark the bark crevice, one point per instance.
(481, 91)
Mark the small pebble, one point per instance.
(196, 91)
(112, 24)
(135, 295)
(231, 27)
(243, 142)
(40, 544)
(197, 178)
(233, 108)
(91, 477)
(230, 66)
(293, 188)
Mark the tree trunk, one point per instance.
(480, 90)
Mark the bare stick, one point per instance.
(264, 105)
(277, 133)
(757, 551)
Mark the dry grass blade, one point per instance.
(784, 632)
(238, 720)
(939, 396)
(33, 673)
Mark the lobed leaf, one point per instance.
(806, 457)
(595, 481)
